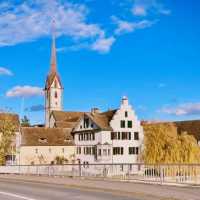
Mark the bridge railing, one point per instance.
(167, 173)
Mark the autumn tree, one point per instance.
(164, 145)
(7, 131)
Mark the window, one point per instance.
(123, 124)
(129, 135)
(119, 135)
(49, 150)
(86, 123)
(136, 135)
(84, 136)
(126, 114)
(124, 135)
(137, 150)
(99, 153)
(87, 136)
(133, 150)
(81, 126)
(93, 136)
(130, 124)
(113, 135)
(56, 95)
(79, 150)
(118, 150)
(84, 150)
(63, 150)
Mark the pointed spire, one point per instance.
(53, 50)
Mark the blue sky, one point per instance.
(147, 50)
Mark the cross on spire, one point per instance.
(53, 49)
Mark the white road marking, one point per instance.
(15, 195)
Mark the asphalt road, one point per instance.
(21, 190)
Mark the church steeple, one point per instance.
(53, 52)
(53, 87)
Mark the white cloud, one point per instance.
(127, 27)
(103, 45)
(5, 71)
(144, 7)
(183, 109)
(139, 10)
(31, 20)
(24, 91)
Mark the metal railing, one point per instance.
(167, 173)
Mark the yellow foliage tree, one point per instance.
(164, 145)
(7, 131)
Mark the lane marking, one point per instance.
(16, 196)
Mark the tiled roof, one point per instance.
(191, 127)
(102, 119)
(46, 137)
(66, 119)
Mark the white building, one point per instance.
(42, 146)
(115, 136)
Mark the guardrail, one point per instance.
(168, 173)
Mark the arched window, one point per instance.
(56, 95)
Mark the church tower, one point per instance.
(53, 87)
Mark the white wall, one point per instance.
(44, 154)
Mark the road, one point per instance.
(22, 190)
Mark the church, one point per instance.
(93, 137)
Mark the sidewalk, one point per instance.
(138, 190)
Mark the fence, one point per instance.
(171, 173)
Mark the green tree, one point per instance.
(164, 145)
(25, 122)
(7, 132)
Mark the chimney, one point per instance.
(125, 101)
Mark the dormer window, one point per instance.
(67, 140)
(86, 123)
(42, 140)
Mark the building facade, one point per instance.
(43, 146)
(115, 136)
